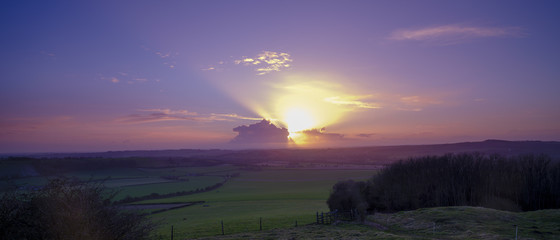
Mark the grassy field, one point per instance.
(137, 182)
(449, 222)
(161, 186)
(280, 197)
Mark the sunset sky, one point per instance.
(127, 75)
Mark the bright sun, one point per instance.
(298, 119)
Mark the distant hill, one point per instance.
(377, 154)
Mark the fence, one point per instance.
(333, 216)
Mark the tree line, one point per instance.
(519, 183)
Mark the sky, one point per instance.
(78, 76)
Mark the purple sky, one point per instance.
(117, 75)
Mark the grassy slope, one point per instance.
(280, 197)
(450, 223)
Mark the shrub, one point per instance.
(349, 196)
(68, 209)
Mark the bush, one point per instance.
(349, 196)
(68, 209)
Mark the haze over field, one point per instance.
(98, 76)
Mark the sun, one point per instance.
(298, 119)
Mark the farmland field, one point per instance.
(136, 182)
(161, 186)
(279, 196)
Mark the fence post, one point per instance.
(171, 232)
(222, 227)
(296, 223)
(260, 224)
(317, 217)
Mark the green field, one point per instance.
(136, 182)
(280, 197)
(429, 223)
(160, 186)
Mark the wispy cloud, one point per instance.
(154, 117)
(419, 100)
(124, 77)
(164, 114)
(353, 101)
(263, 63)
(365, 135)
(169, 111)
(221, 116)
(168, 57)
(452, 34)
(50, 54)
(17, 125)
(416, 103)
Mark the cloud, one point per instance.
(319, 135)
(263, 63)
(124, 77)
(18, 125)
(262, 132)
(365, 135)
(233, 116)
(419, 100)
(155, 117)
(452, 34)
(353, 101)
(169, 111)
(164, 114)
(267, 62)
(163, 55)
(50, 54)
(168, 58)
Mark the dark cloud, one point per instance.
(262, 132)
(319, 135)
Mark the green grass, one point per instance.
(124, 182)
(450, 222)
(314, 231)
(472, 223)
(220, 169)
(275, 185)
(280, 197)
(145, 187)
(238, 216)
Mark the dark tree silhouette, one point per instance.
(524, 183)
(349, 196)
(68, 209)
